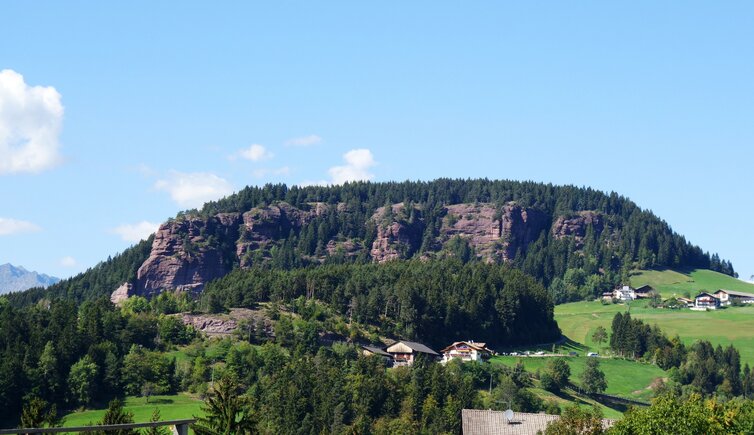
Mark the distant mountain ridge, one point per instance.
(16, 278)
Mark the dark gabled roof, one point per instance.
(736, 293)
(417, 347)
(644, 288)
(705, 293)
(377, 351)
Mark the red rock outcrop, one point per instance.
(190, 251)
(263, 225)
(495, 234)
(577, 225)
(186, 254)
(396, 237)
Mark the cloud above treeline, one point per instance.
(192, 189)
(357, 167)
(136, 232)
(358, 163)
(31, 118)
(255, 153)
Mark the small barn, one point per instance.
(404, 352)
(644, 292)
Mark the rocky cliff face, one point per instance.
(495, 234)
(190, 251)
(187, 253)
(576, 226)
(397, 237)
(264, 225)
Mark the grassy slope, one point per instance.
(733, 325)
(176, 407)
(624, 378)
(669, 282)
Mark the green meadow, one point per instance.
(670, 282)
(731, 325)
(625, 378)
(177, 407)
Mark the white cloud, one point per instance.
(30, 121)
(195, 188)
(136, 232)
(14, 226)
(265, 172)
(68, 261)
(358, 163)
(304, 141)
(255, 153)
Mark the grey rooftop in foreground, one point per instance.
(488, 422)
(181, 427)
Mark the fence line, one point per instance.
(181, 427)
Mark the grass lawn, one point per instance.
(627, 379)
(669, 282)
(176, 407)
(732, 325)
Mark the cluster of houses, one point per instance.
(702, 301)
(404, 353)
(720, 298)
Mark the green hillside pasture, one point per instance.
(176, 407)
(629, 379)
(670, 282)
(732, 325)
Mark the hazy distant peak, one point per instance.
(17, 278)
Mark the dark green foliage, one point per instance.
(641, 237)
(115, 414)
(555, 375)
(600, 335)
(37, 413)
(100, 280)
(576, 420)
(157, 430)
(629, 236)
(688, 415)
(592, 378)
(437, 302)
(71, 356)
(227, 411)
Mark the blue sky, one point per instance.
(136, 111)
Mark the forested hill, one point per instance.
(576, 241)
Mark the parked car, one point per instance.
(592, 354)
(540, 353)
(513, 354)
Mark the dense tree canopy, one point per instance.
(436, 302)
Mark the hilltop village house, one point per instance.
(706, 301)
(727, 297)
(628, 293)
(466, 351)
(721, 298)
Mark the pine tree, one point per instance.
(157, 430)
(226, 411)
(592, 378)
